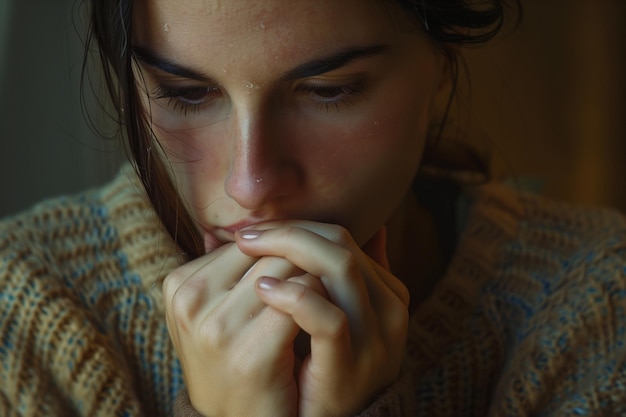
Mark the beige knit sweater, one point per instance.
(530, 318)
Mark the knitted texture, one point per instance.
(528, 320)
(530, 317)
(82, 328)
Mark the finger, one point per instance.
(223, 272)
(355, 283)
(394, 284)
(310, 251)
(182, 302)
(235, 316)
(194, 288)
(242, 303)
(330, 231)
(302, 343)
(376, 248)
(278, 330)
(252, 319)
(337, 265)
(312, 282)
(326, 323)
(179, 275)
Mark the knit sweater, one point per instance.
(529, 319)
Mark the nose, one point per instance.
(262, 169)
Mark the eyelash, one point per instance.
(341, 95)
(182, 105)
(326, 96)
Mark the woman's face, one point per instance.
(299, 109)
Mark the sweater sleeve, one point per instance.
(395, 401)
(55, 358)
(81, 334)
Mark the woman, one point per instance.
(314, 260)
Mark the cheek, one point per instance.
(365, 170)
(386, 143)
(195, 164)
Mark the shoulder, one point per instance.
(543, 248)
(48, 238)
(544, 227)
(558, 299)
(77, 300)
(87, 250)
(59, 250)
(68, 216)
(112, 226)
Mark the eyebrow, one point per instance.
(308, 69)
(151, 59)
(333, 61)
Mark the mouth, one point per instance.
(233, 228)
(220, 235)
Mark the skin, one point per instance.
(294, 188)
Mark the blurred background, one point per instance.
(550, 95)
(47, 148)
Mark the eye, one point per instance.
(337, 96)
(184, 107)
(186, 99)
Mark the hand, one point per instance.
(358, 332)
(237, 354)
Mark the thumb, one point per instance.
(376, 248)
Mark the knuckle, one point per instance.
(348, 262)
(171, 283)
(179, 305)
(213, 332)
(311, 282)
(397, 320)
(342, 236)
(404, 295)
(300, 293)
(247, 364)
(338, 325)
(291, 232)
(306, 280)
(186, 302)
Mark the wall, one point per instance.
(552, 96)
(46, 146)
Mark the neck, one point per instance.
(414, 250)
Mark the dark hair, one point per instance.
(447, 22)
(460, 22)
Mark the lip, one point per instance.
(217, 235)
(233, 228)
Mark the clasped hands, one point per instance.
(235, 313)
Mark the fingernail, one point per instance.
(267, 283)
(250, 234)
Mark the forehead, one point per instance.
(208, 32)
